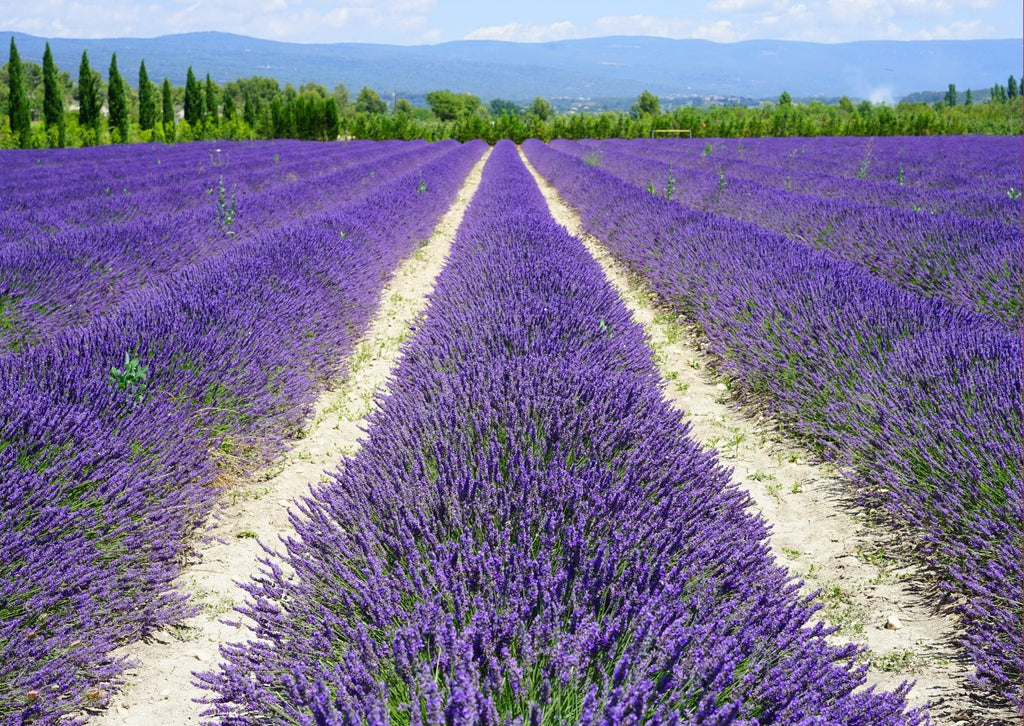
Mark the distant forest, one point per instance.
(44, 107)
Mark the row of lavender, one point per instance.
(528, 535)
(69, 189)
(60, 270)
(920, 398)
(104, 474)
(971, 262)
(97, 185)
(989, 188)
(988, 165)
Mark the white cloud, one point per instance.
(743, 6)
(721, 31)
(856, 12)
(654, 25)
(291, 20)
(958, 30)
(431, 37)
(417, 21)
(523, 33)
(823, 21)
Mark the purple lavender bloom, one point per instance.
(528, 534)
(921, 244)
(919, 398)
(105, 238)
(102, 486)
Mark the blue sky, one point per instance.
(409, 22)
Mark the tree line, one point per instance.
(42, 107)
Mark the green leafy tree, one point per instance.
(444, 104)
(53, 99)
(1012, 89)
(147, 100)
(541, 109)
(369, 102)
(193, 99)
(647, 104)
(210, 100)
(950, 98)
(117, 102)
(341, 97)
(403, 108)
(88, 96)
(313, 89)
(167, 106)
(968, 98)
(500, 106)
(449, 106)
(785, 99)
(262, 88)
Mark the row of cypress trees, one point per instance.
(90, 104)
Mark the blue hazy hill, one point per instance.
(588, 68)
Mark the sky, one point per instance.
(414, 22)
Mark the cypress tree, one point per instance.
(249, 110)
(332, 125)
(147, 100)
(21, 121)
(228, 103)
(117, 103)
(193, 100)
(88, 96)
(53, 104)
(167, 106)
(1012, 91)
(210, 102)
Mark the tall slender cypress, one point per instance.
(117, 103)
(21, 121)
(228, 104)
(147, 100)
(210, 103)
(53, 102)
(167, 106)
(332, 124)
(88, 96)
(193, 100)
(249, 110)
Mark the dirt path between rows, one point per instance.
(160, 692)
(867, 588)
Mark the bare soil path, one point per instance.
(159, 691)
(877, 597)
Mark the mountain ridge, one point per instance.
(606, 67)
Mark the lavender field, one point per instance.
(866, 345)
(157, 335)
(528, 532)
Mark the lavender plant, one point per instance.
(100, 494)
(920, 398)
(971, 262)
(528, 535)
(60, 267)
